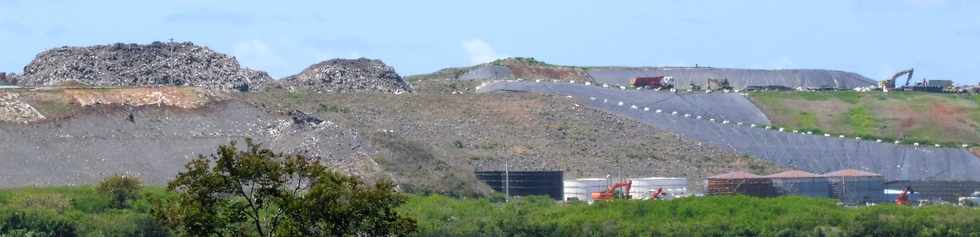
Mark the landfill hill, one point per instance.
(177, 64)
(926, 118)
(429, 141)
(424, 142)
(348, 75)
(532, 69)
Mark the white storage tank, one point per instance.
(581, 189)
(674, 187)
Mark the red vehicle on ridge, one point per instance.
(651, 82)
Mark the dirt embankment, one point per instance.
(26, 106)
(186, 98)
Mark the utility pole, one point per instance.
(507, 180)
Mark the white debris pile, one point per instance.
(14, 110)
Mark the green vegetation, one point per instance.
(263, 193)
(861, 121)
(82, 211)
(252, 192)
(708, 216)
(926, 118)
(77, 211)
(521, 61)
(120, 189)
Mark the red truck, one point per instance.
(651, 82)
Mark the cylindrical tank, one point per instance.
(581, 189)
(673, 187)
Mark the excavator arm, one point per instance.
(610, 192)
(904, 73)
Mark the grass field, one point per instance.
(705, 216)
(908, 116)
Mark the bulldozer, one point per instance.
(620, 190)
(889, 84)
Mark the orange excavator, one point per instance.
(611, 192)
(903, 198)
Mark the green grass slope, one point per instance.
(908, 116)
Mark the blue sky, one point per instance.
(939, 38)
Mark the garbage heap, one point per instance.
(179, 64)
(348, 75)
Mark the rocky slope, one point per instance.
(154, 142)
(348, 75)
(181, 64)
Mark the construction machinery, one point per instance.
(970, 201)
(620, 190)
(657, 195)
(903, 198)
(694, 87)
(658, 82)
(717, 84)
(889, 84)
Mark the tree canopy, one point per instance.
(257, 192)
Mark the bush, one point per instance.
(120, 189)
(708, 216)
(35, 222)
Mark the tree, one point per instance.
(258, 192)
(120, 189)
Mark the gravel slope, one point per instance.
(156, 143)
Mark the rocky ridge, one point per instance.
(179, 64)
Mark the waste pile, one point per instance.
(348, 75)
(180, 64)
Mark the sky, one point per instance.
(939, 38)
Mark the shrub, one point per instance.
(120, 189)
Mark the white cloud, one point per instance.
(479, 51)
(257, 54)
